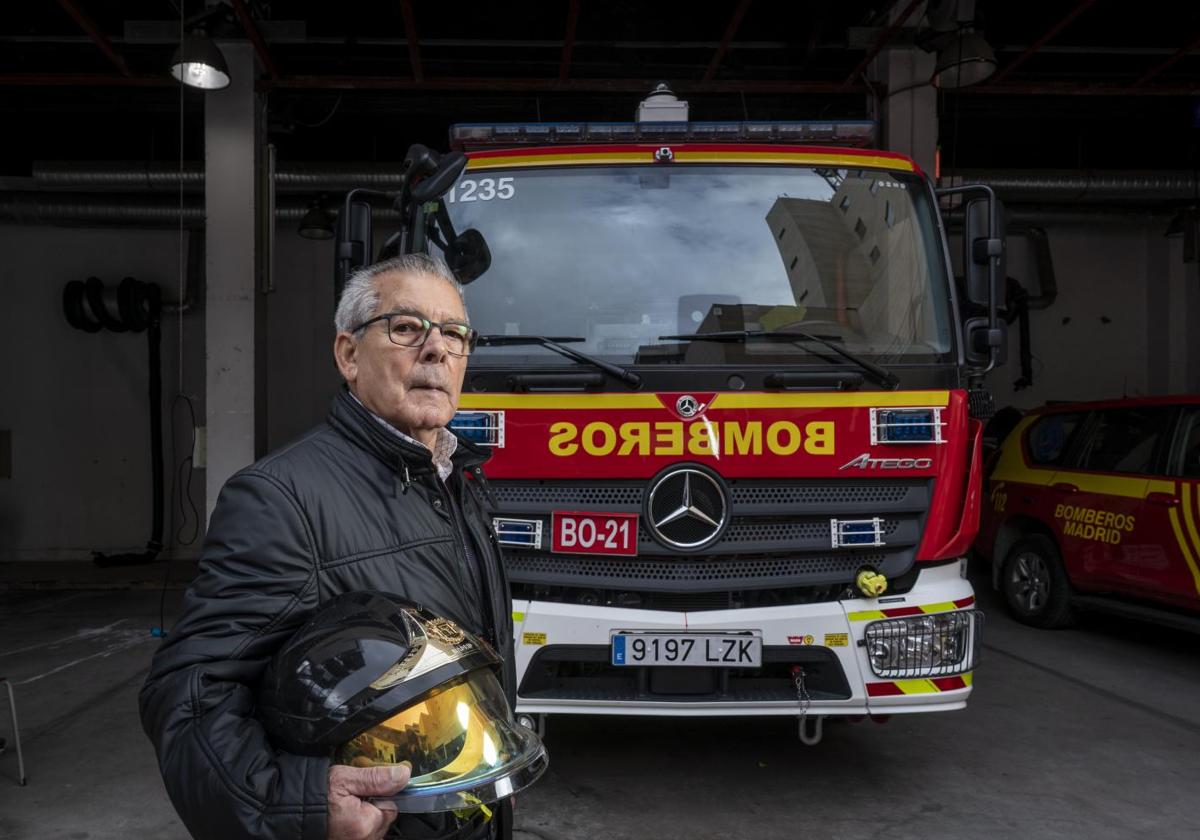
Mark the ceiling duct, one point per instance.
(43, 208)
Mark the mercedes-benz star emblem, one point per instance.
(686, 508)
(687, 406)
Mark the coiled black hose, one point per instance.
(139, 309)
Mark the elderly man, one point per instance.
(381, 497)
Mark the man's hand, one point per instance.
(350, 818)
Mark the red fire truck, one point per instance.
(724, 375)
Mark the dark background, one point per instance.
(1079, 102)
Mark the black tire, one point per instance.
(1035, 585)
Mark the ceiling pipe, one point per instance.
(251, 30)
(98, 37)
(731, 29)
(135, 177)
(1082, 186)
(1159, 68)
(1080, 7)
(414, 47)
(564, 64)
(40, 208)
(882, 41)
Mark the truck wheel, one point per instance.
(1035, 584)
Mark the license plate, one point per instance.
(576, 532)
(727, 650)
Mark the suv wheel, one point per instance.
(1035, 584)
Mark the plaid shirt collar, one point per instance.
(443, 448)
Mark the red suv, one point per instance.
(1097, 505)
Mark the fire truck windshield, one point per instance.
(622, 255)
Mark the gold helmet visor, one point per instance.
(463, 744)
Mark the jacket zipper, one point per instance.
(497, 592)
(471, 582)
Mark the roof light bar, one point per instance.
(852, 133)
(906, 425)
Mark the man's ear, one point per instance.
(345, 353)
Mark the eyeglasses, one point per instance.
(413, 331)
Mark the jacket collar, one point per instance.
(349, 417)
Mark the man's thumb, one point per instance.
(377, 781)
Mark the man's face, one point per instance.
(414, 388)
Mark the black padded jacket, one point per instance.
(350, 506)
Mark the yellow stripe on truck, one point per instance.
(865, 615)
(497, 401)
(1189, 517)
(646, 156)
(874, 399)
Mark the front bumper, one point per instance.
(820, 636)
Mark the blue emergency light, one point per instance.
(482, 427)
(856, 533)
(906, 425)
(521, 533)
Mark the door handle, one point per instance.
(1064, 487)
(1163, 499)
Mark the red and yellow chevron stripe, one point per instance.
(901, 612)
(933, 685)
(643, 153)
(1185, 523)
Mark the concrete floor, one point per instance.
(1089, 732)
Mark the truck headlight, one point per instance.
(925, 645)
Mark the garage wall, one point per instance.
(76, 403)
(1119, 324)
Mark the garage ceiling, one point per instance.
(1081, 85)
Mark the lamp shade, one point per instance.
(965, 60)
(316, 224)
(199, 63)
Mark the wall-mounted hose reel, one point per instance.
(131, 307)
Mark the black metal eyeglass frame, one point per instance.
(471, 338)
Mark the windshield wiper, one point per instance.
(553, 343)
(881, 377)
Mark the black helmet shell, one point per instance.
(356, 661)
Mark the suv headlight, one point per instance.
(937, 645)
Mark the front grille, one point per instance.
(809, 493)
(721, 599)
(745, 493)
(584, 672)
(697, 575)
(511, 494)
(778, 535)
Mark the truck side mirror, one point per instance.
(468, 255)
(352, 249)
(980, 248)
(446, 172)
(980, 338)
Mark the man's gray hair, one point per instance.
(360, 296)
